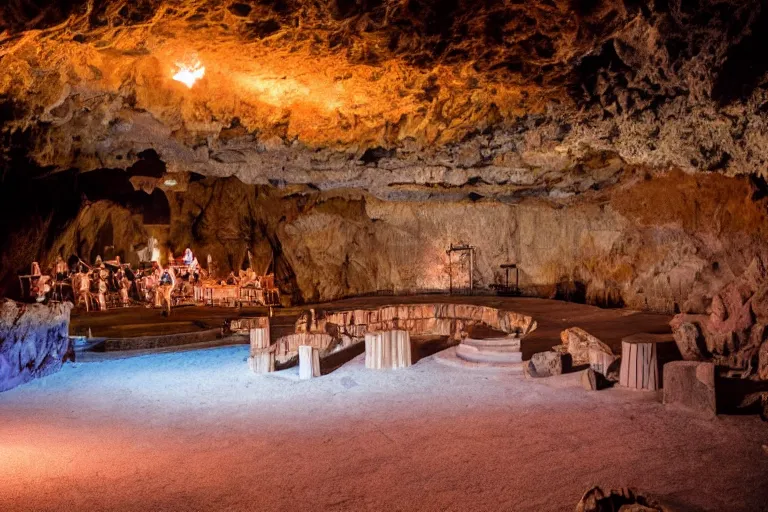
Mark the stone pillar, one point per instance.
(259, 338)
(639, 368)
(387, 349)
(262, 359)
(309, 362)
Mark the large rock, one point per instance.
(691, 385)
(545, 364)
(625, 499)
(34, 341)
(687, 339)
(579, 343)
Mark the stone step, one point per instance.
(511, 344)
(470, 353)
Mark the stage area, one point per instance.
(609, 325)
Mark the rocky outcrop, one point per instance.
(398, 98)
(34, 341)
(727, 324)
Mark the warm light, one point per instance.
(189, 73)
(170, 183)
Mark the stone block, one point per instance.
(691, 385)
(545, 364)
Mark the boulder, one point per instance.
(579, 342)
(691, 385)
(624, 500)
(545, 364)
(687, 337)
(34, 341)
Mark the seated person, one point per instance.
(188, 256)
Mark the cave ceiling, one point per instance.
(402, 98)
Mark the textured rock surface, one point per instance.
(34, 341)
(569, 137)
(731, 329)
(690, 384)
(545, 364)
(579, 343)
(624, 499)
(644, 243)
(390, 93)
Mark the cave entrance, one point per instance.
(156, 210)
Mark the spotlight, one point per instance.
(170, 182)
(189, 72)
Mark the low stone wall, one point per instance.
(345, 328)
(287, 347)
(34, 341)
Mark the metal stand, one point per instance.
(505, 289)
(461, 249)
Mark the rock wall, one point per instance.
(646, 242)
(34, 341)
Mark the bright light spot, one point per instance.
(189, 72)
(170, 182)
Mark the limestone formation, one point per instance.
(34, 341)
(579, 343)
(691, 385)
(619, 147)
(730, 330)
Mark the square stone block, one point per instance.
(691, 385)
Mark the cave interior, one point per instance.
(597, 167)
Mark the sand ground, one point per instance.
(198, 431)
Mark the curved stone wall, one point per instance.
(344, 328)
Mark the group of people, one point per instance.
(90, 286)
(114, 283)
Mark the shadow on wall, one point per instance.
(608, 296)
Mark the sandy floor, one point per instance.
(197, 431)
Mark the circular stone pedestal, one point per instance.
(496, 351)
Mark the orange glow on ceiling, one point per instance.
(189, 73)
